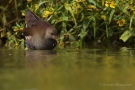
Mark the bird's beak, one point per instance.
(55, 37)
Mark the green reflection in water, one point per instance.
(68, 69)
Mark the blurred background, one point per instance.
(80, 23)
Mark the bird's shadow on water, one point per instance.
(40, 58)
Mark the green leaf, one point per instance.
(2, 8)
(94, 26)
(68, 7)
(131, 20)
(127, 34)
(92, 1)
(106, 30)
(71, 37)
(40, 3)
(4, 19)
(17, 24)
(124, 8)
(82, 17)
(64, 18)
(111, 15)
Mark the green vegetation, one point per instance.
(79, 22)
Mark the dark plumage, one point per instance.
(39, 34)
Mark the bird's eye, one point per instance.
(52, 33)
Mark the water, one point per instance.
(67, 69)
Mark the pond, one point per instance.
(67, 69)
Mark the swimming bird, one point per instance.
(38, 33)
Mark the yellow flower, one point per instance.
(36, 5)
(29, 0)
(91, 7)
(78, 6)
(121, 22)
(103, 17)
(16, 44)
(133, 9)
(21, 28)
(124, 21)
(23, 14)
(61, 43)
(112, 4)
(60, 20)
(131, 2)
(9, 34)
(107, 4)
(46, 14)
(80, 0)
(52, 9)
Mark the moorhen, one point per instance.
(39, 34)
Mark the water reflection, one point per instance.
(39, 58)
(67, 69)
(12, 58)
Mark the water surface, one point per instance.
(67, 69)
